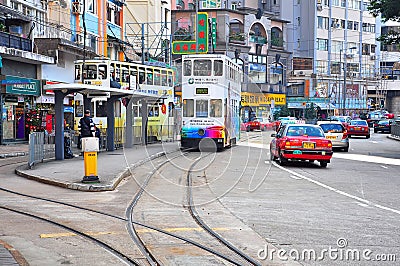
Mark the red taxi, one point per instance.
(251, 125)
(302, 142)
(358, 128)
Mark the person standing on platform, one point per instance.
(86, 127)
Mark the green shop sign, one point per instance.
(21, 86)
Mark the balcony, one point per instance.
(277, 42)
(258, 39)
(16, 42)
(237, 38)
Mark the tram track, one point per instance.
(98, 242)
(194, 215)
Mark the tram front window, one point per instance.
(202, 68)
(216, 108)
(188, 108)
(201, 108)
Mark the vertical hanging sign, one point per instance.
(189, 47)
(214, 32)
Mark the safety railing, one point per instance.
(41, 146)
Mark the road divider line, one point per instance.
(337, 190)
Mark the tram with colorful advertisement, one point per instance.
(211, 86)
(155, 83)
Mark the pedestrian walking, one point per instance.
(86, 127)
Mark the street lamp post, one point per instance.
(344, 91)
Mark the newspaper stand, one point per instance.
(90, 147)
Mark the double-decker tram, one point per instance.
(211, 86)
(155, 83)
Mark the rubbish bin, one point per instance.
(90, 147)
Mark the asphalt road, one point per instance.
(346, 214)
(344, 211)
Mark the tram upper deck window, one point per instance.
(103, 71)
(164, 80)
(187, 68)
(157, 77)
(149, 76)
(142, 75)
(218, 67)
(202, 67)
(216, 108)
(201, 108)
(125, 74)
(77, 72)
(170, 79)
(90, 71)
(188, 108)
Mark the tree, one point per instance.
(389, 10)
(283, 111)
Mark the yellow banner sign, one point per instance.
(256, 99)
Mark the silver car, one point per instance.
(337, 133)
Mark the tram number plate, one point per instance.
(308, 145)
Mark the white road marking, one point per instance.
(373, 141)
(384, 166)
(295, 177)
(366, 158)
(267, 162)
(367, 202)
(362, 204)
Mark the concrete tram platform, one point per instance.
(112, 167)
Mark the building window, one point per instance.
(350, 25)
(335, 3)
(365, 49)
(322, 44)
(322, 67)
(355, 24)
(323, 23)
(343, 3)
(336, 46)
(90, 6)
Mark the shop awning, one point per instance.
(325, 106)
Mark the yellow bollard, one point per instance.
(90, 147)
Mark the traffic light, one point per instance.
(382, 103)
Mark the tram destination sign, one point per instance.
(201, 90)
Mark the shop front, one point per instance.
(260, 104)
(298, 106)
(17, 101)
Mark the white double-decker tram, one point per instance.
(211, 86)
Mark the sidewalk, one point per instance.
(112, 167)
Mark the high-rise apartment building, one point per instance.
(335, 53)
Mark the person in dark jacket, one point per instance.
(86, 126)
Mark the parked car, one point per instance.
(302, 142)
(358, 128)
(253, 124)
(265, 124)
(335, 132)
(344, 119)
(384, 125)
(285, 120)
(375, 116)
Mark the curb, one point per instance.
(13, 154)
(393, 137)
(17, 256)
(90, 187)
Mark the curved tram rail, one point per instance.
(150, 257)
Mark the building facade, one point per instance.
(335, 53)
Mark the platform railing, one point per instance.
(41, 146)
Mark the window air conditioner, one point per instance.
(373, 57)
(319, 7)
